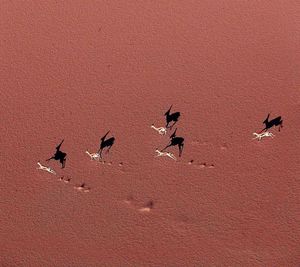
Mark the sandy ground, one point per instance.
(75, 69)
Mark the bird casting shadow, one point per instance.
(105, 143)
(171, 118)
(59, 155)
(176, 141)
(269, 124)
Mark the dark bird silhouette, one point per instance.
(176, 141)
(171, 118)
(59, 155)
(275, 122)
(105, 143)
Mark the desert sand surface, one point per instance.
(73, 70)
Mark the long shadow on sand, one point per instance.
(106, 143)
(275, 122)
(171, 117)
(176, 141)
(59, 155)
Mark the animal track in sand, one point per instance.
(201, 165)
(106, 162)
(129, 199)
(132, 202)
(224, 147)
(206, 165)
(95, 157)
(110, 163)
(148, 207)
(82, 188)
(62, 179)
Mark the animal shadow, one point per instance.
(176, 141)
(59, 155)
(275, 122)
(105, 143)
(171, 118)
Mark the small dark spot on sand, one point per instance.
(224, 147)
(150, 204)
(202, 165)
(129, 199)
(148, 207)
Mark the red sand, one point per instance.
(75, 69)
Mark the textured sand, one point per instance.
(75, 69)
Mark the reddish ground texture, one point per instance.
(75, 69)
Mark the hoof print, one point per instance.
(148, 207)
(205, 165)
(129, 200)
(82, 188)
(67, 181)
